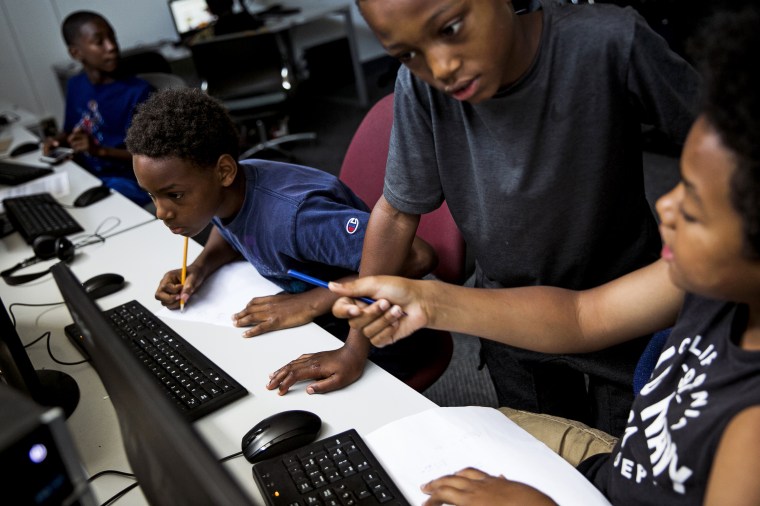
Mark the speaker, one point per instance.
(45, 247)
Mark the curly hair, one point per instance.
(73, 24)
(726, 51)
(184, 123)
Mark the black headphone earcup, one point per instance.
(46, 247)
(64, 249)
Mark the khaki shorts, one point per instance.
(571, 440)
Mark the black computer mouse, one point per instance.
(103, 284)
(92, 195)
(280, 433)
(24, 148)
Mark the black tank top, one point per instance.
(701, 381)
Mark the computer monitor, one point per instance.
(47, 387)
(172, 463)
(189, 16)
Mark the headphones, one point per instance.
(45, 247)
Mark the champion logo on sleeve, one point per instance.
(352, 225)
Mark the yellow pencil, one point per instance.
(182, 276)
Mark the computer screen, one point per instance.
(190, 16)
(47, 387)
(172, 463)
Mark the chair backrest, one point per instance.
(141, 62)
(242, 65)
(363, 170)
(162, 81)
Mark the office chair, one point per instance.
(363, 170)
(162, 81)
(141, 62)
(251, 74)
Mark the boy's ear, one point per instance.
(74, 52)
(226, 168)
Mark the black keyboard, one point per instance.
(39, 214)
(339, 470)
(190, 379)
(12, 174)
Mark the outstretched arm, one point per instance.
(641, 302)
(387, 246)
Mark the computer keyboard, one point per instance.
(339, 470)
(195, 384)
(39, 214)
(12, 174)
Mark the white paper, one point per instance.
(440, 441)
(57, 184)
(225, 293)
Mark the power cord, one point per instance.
(120, 493)
(126, 489)
(46, 334)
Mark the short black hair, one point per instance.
(183, 123)
(726, 50)
(74, 22)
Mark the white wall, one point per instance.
(30, 36)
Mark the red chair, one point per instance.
(363, 170)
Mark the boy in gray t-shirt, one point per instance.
(529, 127)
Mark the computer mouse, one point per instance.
(103, 284)
(280, 433)
(92, 195)
(24, 148)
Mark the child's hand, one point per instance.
(274, 312)
(333, 369)
(170, 289)
(471, 487)
(396, 314)
(49, 144)
(79, 140)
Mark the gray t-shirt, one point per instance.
(545, 180)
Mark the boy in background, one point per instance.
(277, 216)
(529, 126)
(100, 102)
(693, 433)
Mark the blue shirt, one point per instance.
(105, 112)
(296, 217)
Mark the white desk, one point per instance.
(113, 213)
(142, 256)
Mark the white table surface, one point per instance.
(142, 256)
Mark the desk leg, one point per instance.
(361, 83)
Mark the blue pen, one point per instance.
(319, 282)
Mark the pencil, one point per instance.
(182, 276)
(318, 282)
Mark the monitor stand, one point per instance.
(58, 389)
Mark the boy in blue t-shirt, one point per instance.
(277, 216)
(99, 105)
